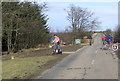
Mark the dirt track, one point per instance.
(41, 52)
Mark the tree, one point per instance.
(8, 13)
(24, 25)
(81, 20)
(108, 31)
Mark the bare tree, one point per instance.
(81, 20)
(93, 24)
(108, 31)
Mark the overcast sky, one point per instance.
(105, 10)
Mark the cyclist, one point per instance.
(90, 39)
(109, 40)
(103, 40)
(56, 43)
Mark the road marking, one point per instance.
(78, 50)
(113, 53)
(96, 51)
(93, 61)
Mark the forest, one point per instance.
(24, 25)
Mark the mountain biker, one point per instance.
(90, 39)
(56, 41)
(103, 40)
(109, 39)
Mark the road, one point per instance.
(89, 62)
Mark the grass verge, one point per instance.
(29, 65)
(23, 67)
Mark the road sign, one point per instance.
(77, 41)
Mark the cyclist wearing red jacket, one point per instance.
(56, 43)
(103, 40)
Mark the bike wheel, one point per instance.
(106, 46)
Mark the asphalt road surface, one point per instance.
(89, 62)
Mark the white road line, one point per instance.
(78, 50)
(96, 51)
(93, 61)
(113, 53)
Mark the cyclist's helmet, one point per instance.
(55, 34)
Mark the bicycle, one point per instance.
(107, 46)
(52, 51)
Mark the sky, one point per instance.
(105, 10)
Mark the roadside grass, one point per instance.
(21, 68)
(27, 65)
(118, 44)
